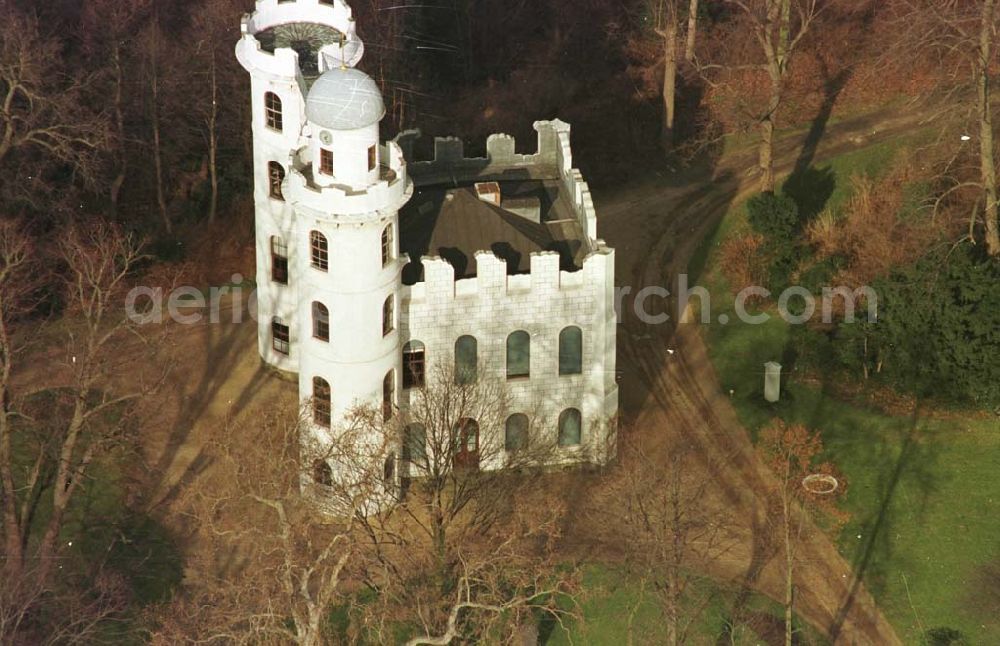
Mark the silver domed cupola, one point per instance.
(344, 108)
(344, 98)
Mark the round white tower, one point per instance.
(346, 191)
(327, 195)
(285, 46)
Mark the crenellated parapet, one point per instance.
(545, 280)
(583, 202)
(269, 13)
(552, 160)
(449, 161)
(389, 193)
(283, 62)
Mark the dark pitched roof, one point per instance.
(453, 223)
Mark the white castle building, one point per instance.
(373, 266)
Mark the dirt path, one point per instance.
(656, 228)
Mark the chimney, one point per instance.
(488, 192)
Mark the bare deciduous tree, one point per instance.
(664, 19)
(216, 78)
(657, 502)
(44, 114)
(18, 279)
(282, 539)
(960, 39)
(72, 614)
(454, 445)
(500, 586)
(307, 517)
(791, 452)
(91, 412)
(154, 50)
(470, 546)
(778, 27)
(108, 27)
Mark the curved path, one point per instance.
(656, 228)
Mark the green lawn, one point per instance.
(923, 493)
(615, 609)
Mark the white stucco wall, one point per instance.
(492, 305)
(357, 356)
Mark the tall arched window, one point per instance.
(466, 360)
(414, 364)
(279, 260)
(321, 321)
(388, 248)
(465, 443)
(415, 443)
(388, 395)
(275, 176)
(322, 473)
(272, 111)
(279, 336)
(571, 351)
(321, 402)
(570, 427)
(388, 315)
(389, 472)
(319, 251)
(518, 354)
(516, 432)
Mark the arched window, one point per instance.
(388, 395)
(465, 443)
(516, 432)
(275, 176)
(319, 251)
(279, 260)
(321, 321)
(415, 443)
(413, 365)
(322, 473)
(389, 471)
(518, 354)
(571, 351)
(372, 158)
(279, 336)
(272, 111)
(321, 402)
(466, 360)
(387, 245)
(569, 427)
(388, 316)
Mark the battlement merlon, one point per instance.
(545, 278)
(553, 159)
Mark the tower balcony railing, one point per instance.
(389, 192)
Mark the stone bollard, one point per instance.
(772, 381)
